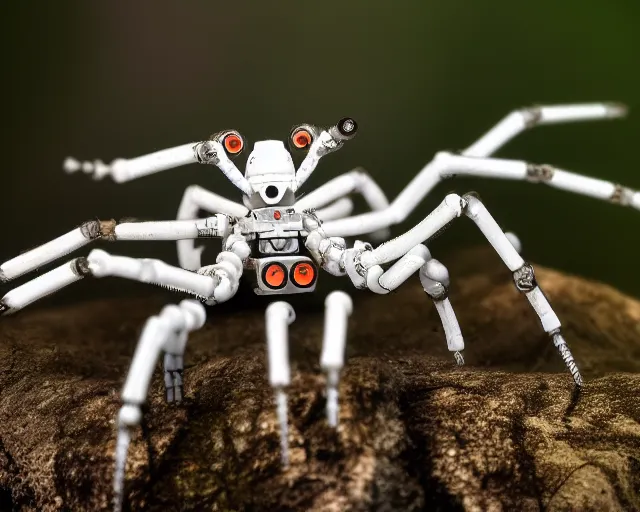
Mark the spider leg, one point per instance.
(122, 169)
(216, 226)
(453, 165)
(453, 207)
(355, 181)
(338, 308)
(523, 119)
(196, 198)
(327, 141)
(331, 253)
(215, 283)
(363, 263)
(166, 332)
(207, 152)
(336, 210)
(435, 171)
(279, 315)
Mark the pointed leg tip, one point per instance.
(459, 359)
(615, 109)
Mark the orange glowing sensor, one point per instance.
(301, 139)
(303, 274)
(233, 144)
(275, 275)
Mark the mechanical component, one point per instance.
(280, 275)
(302, 136)
(524, 278)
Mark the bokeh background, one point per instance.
(121, 79)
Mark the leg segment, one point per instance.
(520, 120)
(363, 261)
(336, 210)
(473, 161)
(216, 226)
(214, 284)
(338, 307)
(122, 170)
(332, 255)
(434, 278)
(167, 333)
(356, 181)
(279, 315)
(196, 198)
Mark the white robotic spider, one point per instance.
(285, 239)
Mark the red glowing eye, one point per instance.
(301, 139)
(303, 274)
(274, 275)
(233, 144)
(277, 215)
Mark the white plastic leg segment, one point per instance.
(336, 210)
(123, 441)
(103, 264)
(434, 278)
(217, 283)
(437, 169)
(523, 276)
(356, 181)
(323, 145)
(41, 286)
(122, 170)
(404, 268)
(165, 332)
(279, 315)
(155, 335)
(196, 198)
(46, 253)
(444, 213)
(216, 226)
(518, 121)
(452, 331)
(338, 308)
(549, 320)
(209, 227)
(479, 214)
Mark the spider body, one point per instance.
(278, 253)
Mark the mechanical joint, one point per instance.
(524, 278)
(539, 173)
(622, 195)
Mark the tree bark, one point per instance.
(506, 432)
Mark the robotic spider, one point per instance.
(284, 239)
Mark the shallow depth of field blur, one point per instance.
(121, 79)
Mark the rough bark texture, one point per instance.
(505, 432)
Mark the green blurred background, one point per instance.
(121, 79)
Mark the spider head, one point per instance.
(271, 173)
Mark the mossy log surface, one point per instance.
(507, 431)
